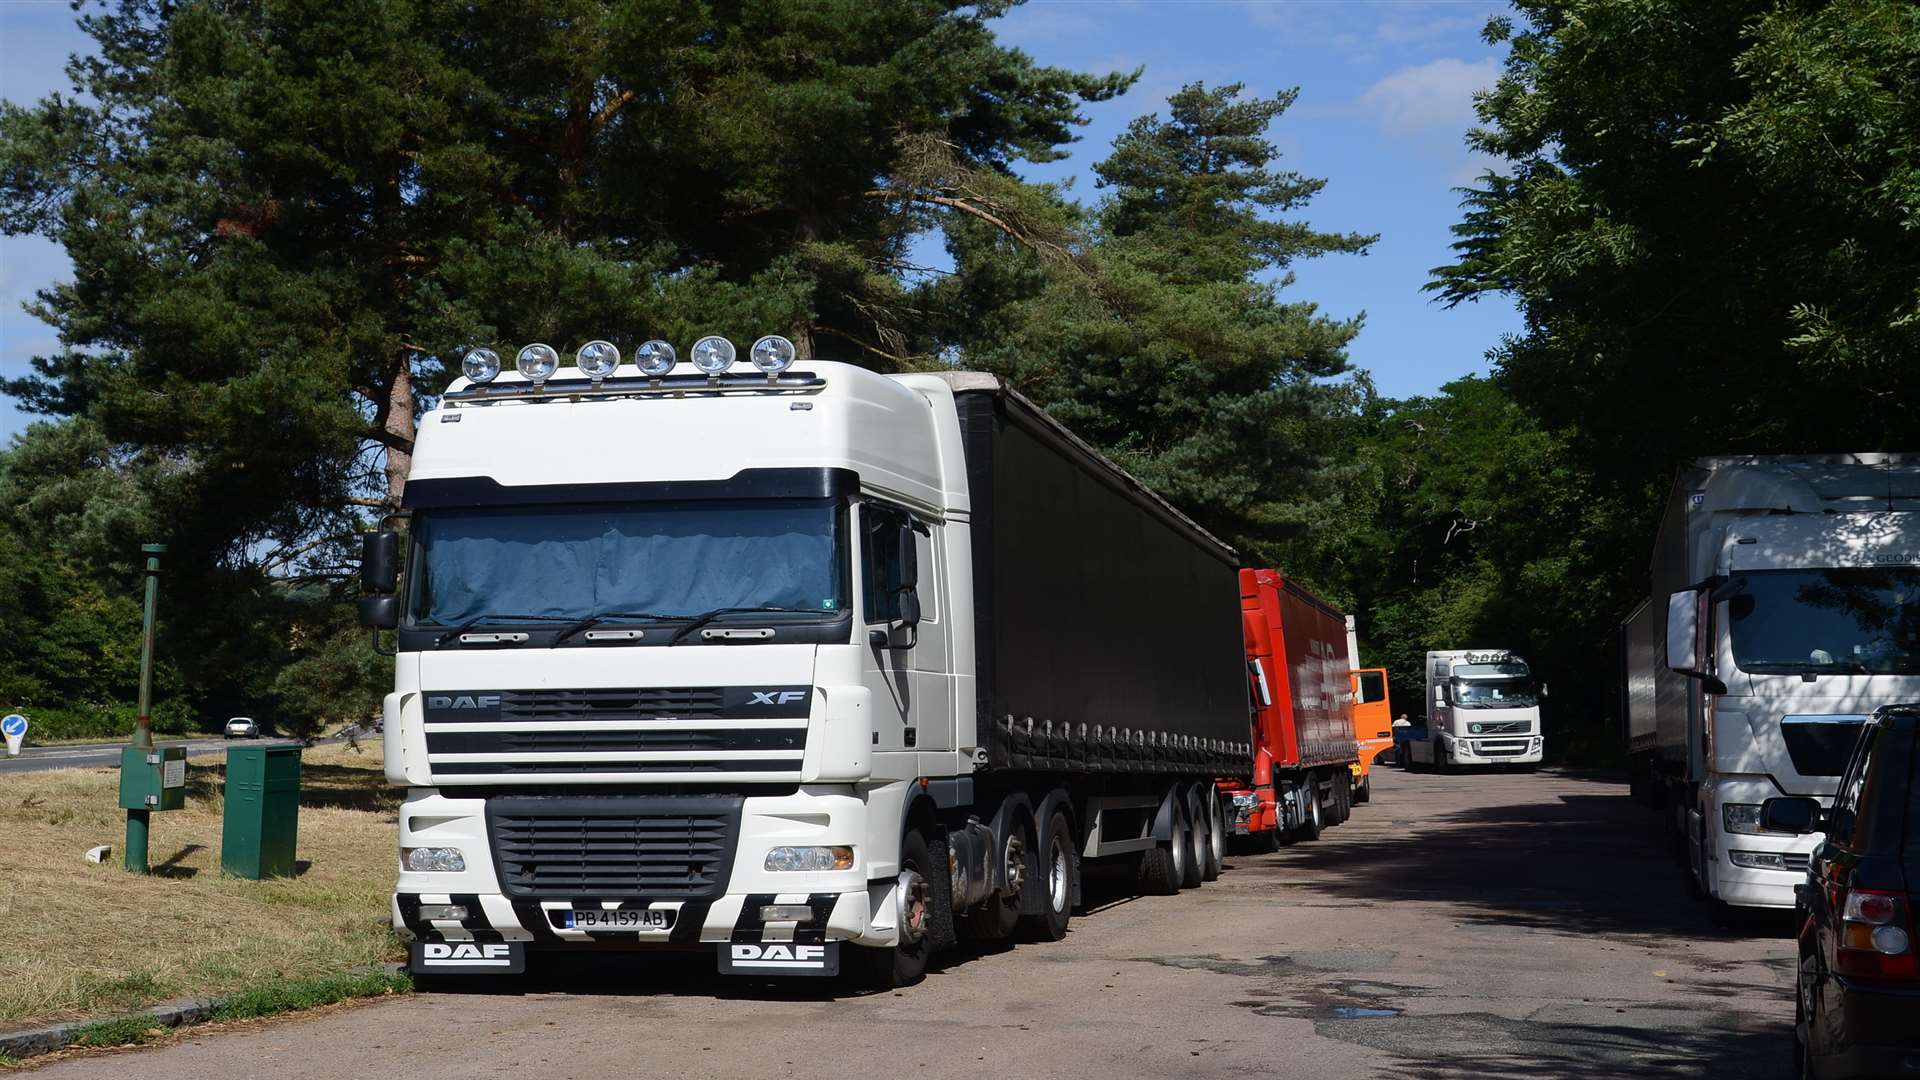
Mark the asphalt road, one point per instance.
(107, 755)
(1459, 926)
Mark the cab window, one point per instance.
(882, 573)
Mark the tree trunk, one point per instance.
(399, 426)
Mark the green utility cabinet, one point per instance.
(153, 779)
(263, 810)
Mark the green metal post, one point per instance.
(136, 859)
(137, 841)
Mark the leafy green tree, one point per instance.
(1165, 338)
(288, 220)
(1709, 223)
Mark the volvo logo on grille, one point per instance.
(776, 697)
(463, 701)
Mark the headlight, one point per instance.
(1758, 860)
(446, 860)
(713, 354)
(480, 365)
(597, 359)
(655, 358)
(1246, 800)
(1741, 818)
(772, 354)
(537, 362)
(429, 912)
(810, 858)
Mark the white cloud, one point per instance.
(1433, 98)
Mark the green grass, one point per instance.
(274, 998)
(119, 1031)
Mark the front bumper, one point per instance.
(845, 905)
(1496, 749)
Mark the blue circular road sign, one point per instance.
(13, 724)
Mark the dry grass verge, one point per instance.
(92, 940)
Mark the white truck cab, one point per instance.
(1483, 708)
(1785, 609)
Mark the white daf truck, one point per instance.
(794, 667)
(1785, 608)
(1483, 708)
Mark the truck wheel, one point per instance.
(1364, 792)
(905, 963)
(995, 920)
(1215, 850)
(1055, 882)
(1314, 825)
(1342, 796)
(1164, 866)
(1193, 868)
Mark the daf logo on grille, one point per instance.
(780, 697)
(464, 701)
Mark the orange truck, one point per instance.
(1302, 715)
(1372, 716)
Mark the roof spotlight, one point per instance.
(655, 358)
(480, 365)
(537, 362)
(713, 354)
(772, 354)
(597, 359)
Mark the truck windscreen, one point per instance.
(1846, 621)
(573, 561)
(1494, 691)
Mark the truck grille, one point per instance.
(1502, 727)
(1797, 861)
(1500, 748)
(619, 847)
(657, 734)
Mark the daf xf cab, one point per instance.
(1483, 708)
(1785, 608)
(801, 668)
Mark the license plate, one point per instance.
(622, 919)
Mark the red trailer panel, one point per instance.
(1296, 649)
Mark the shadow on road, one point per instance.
(1594, 1052)
(1528, 864)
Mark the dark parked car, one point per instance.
(1858, 1004)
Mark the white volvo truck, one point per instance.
(1785, 607)
(1483, 708)
(795, 667)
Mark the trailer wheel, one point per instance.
(1193, 869)
(1342, 796)
(1312, 824)
(905, 963)
(1055, 882)
(995, 920)
(1214, 852)
(1164, 866)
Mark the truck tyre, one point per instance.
(1215, 851)
(1054, 880)
(1342, 796)
(905, 963)
(1193, 867)
(1313, 824)
(1363, 793)
(995, 920)
(1164, 866)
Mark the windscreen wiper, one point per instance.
(591, 621)
(491, 616)
(706, 617)
(1806, 667)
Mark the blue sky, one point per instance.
(1385, 95)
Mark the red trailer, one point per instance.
(1302, 706)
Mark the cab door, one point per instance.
(904, 618)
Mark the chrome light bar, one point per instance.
(637, 385)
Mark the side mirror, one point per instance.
(380, 612)
(909, 608)
(1792, 814)
(909, 560)
(380, 562)
(1440, 696)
